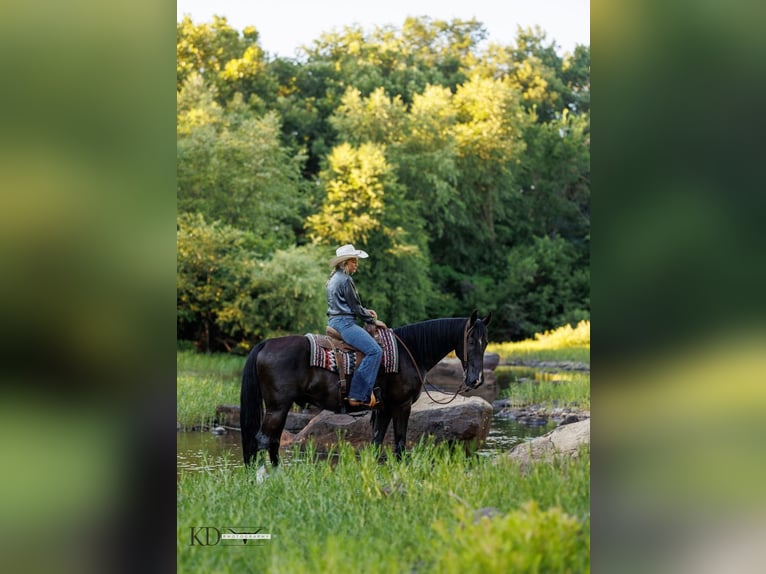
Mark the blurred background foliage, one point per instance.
(462, 168)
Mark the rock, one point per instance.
(491, 361)
(286, 439)
(501, 404)
(227, 415)
(297, 421)
(563, 440)
(327, 426)
(464, 420)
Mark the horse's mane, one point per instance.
(429, 341)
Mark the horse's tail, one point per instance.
(250, 405)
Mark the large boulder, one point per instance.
(227, 416)
(563, 440)
(465, 420)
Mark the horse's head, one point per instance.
(474, 344)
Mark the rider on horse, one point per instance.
(344, 308)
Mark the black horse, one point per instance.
(277, 373)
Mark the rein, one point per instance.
(464, 361)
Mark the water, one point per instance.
(206, 451)
(505, 433)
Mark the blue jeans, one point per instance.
(366, 372)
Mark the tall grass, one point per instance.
(562, 344)
(202, 383)
(565, 389)
(350, 513)
(212, 364)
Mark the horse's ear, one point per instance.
(487, 319)
(472, 320)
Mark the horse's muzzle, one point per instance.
(475, 382)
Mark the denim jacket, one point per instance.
(343, 298)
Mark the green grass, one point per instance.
(562, 344)
(350, 513)
(212, 364)
(566, 388)
(203, 382)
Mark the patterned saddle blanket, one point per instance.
(326, 350)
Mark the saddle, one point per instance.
(330, 352)
(335, 340)
(346, 356)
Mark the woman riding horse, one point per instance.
(343, 309)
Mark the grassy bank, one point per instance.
(562, 344)
(356, 514)
(560, 389)
(204, 381)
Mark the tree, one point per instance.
(366, 206)
(356, 182)
(464, 172)
(489, 139)
(206, 49)
(229, 299)
(232, 167)
(544, 287)
(215, 266)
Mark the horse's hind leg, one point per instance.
(401, 419)
(271, 432)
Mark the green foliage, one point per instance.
(526, 540)
(425, 509)
(232, 167)
(465, 172)
(215, 266)
(365, 206)
(228, 299)
(543, 288)
(204, 381)
(357, 182)
(288, 295)
(565, 389)
(562, 344)
(228, 60)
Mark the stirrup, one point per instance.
(371, 405)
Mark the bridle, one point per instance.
(464, 363)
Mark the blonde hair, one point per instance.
(343, 266)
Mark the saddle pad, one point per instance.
(322, 356)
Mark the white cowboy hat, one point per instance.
(347, 251)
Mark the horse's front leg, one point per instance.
(401, 420)
(271, 431)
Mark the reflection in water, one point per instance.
(505, 433)
(206, 451)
